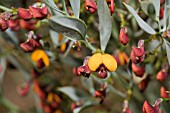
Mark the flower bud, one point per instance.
(139, 71)
(161, 75)
(123, 37)
(163, 93)
(24, 89)
(84, 70)
(90, 6)
(144, 83)
(138, 53)
(28, 25)
(111, 5)
(3, 24)
(24, 14)
(14, 24)
(39, 11)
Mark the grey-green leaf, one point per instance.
(69, 26)
(105, 23)
(75, 5)
(156, 3)
(167, 44)
(140, 21)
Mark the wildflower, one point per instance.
(40, 56)
(138, 53)
(111, 5)
(102, 63)
(90, 6)
(123, 37)
(163, 93)
(24, 13)
(38, 10)
(121, 58)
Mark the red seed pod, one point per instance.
(90, 6)
(123, 37)
(3, 24)
(139, 71)
(39, 12)
(24, 13)
(111, 5)
(163, 93)
(161, 76)
(14, 24)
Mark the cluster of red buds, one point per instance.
(91, 6)
(25, 18)
(148, 108)
(31, 43)
(138, 53)
(101, 94)
(123, 37)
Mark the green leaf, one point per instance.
(146, 6)
(140, 21)
(69, 26)
(105, 23)
(75, 5)
(71, 92)
(88, 84)
(167, 44)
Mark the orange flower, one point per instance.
(102, 63)
(40, 54)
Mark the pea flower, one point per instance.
(123, 37)
(24, 13)
(138, 53)
(90, 6)
(102, 63)
(39, 10)
(40, 56)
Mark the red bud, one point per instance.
(24, 14)
(123, 37)
(3, 24)
(90, 6)
(14, 24)
(163, 93)
(111, 5)
(161, 76)
(139, 71)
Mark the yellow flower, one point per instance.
(40, 54)
(98, 59)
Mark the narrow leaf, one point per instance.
(105, 23)
(156, 3)
(69, 26)
(75, 4)
(140, 21)
(167, 44)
